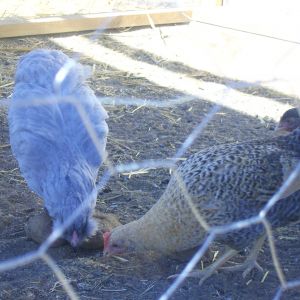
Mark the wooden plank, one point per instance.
(74, 23)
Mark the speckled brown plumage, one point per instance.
(226, 183)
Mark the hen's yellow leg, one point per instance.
(250, 262)
(211, 269)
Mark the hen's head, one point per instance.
(122, 240)
(289, 121)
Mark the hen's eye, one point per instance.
(119, 245)
(115, 246)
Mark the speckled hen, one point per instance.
(226, 183)
(55, 151)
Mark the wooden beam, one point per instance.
(26, 27)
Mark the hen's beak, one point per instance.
(75, 239)
(282, 128)
(278, 128)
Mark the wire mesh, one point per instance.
(115, 169)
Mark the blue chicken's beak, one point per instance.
(75, 239)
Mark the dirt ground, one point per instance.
(135, 134)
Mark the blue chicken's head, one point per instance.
(79, 231)
(71, 199)
(83, 227)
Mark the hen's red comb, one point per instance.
(106, 236)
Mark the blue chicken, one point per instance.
(54, 149)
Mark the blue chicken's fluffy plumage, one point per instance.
(55, 152)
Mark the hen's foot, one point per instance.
(210, 270)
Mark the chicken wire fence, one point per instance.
(225, 95)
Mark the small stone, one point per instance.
(39, 227)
